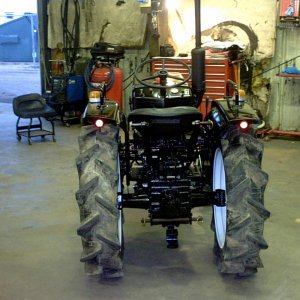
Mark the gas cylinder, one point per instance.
(113, 77)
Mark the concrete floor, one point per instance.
(39, 248)
(18, 79)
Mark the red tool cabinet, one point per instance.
(217, 69)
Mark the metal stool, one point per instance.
(33, 106)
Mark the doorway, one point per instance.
(19, 49)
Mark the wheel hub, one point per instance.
(219, 186)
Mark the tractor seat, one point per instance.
(32, 106)
(165, 121)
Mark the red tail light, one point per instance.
(99, 123)
(244, 125)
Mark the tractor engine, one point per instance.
(162, 171)
(164, 177)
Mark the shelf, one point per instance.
(34, 133)
(288, 75)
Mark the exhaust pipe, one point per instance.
(198, 59)
(198, 23)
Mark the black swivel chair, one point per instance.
(33, 106)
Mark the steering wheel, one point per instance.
(162, 74)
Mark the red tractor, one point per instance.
(165, 156)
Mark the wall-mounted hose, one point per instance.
(90, 70)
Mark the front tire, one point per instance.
(238, 226)
(101, 227)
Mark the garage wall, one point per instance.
(284, 110)
(104, 20)
(258, 18)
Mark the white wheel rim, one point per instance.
(119, 199)
(120, 228)
(220, 212)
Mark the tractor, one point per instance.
(168, 157)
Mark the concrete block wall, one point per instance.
(258, 17)
(105, 20)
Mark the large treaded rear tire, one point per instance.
(101, 220)
(245, 211)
